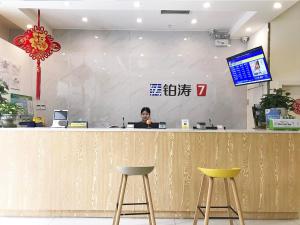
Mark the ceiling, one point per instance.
(223, 15)
(126, 20)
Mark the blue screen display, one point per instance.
(249, 67)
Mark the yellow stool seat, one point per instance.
(220, 173)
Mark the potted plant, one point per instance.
(280, 99)
(8, 111)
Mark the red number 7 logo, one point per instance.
(201, 89)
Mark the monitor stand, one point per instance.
(59, 123)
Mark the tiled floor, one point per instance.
(126, 221)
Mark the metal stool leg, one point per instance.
(145, 177)
(208, 202)
(120, 200)
(202, 188)
(237, 201)
(147, 200)
(228, 200)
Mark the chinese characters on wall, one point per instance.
(177, 89)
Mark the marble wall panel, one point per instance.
(102, 79)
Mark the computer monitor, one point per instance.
(143, 125)
(60, 115)
(60, 118)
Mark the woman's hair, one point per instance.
(257, 64)
(146, 109)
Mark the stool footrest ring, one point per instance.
(219, 207)
(134, 213)
(139, 203)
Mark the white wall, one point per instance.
(285, 48)
(285, 52)
(18, 57)
(101, 80)
(255, 91)
(284, 57)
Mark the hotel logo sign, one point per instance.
(155, 89)
(158, 89)
(201, 89)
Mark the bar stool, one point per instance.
(132, 171)
(211, 174)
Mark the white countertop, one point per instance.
(140, 130)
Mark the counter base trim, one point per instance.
(158, 214)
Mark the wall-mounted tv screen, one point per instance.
(249, 67)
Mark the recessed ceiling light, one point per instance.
(206, 5)
(185, 39)
(136, 4)
(67, 3)
(141, 38)
(84, 19)
(142, 55)
(29, 26)
(216, 57)
(139, 20)
(96, 37)
(179, 55)
(194, 21)
(277, 5)
(248, 29)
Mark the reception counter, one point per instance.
(72, 172)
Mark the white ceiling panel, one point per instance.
(126, 20)
(233, 16)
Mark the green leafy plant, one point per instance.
(280, 98)
(10, 108)
(5, 106)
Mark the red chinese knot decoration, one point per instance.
(296, 106)
(39, 45)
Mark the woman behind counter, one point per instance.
(146, 120)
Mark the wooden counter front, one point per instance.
(47, 172)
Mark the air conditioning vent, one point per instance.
(184, 12)
(222, 38)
